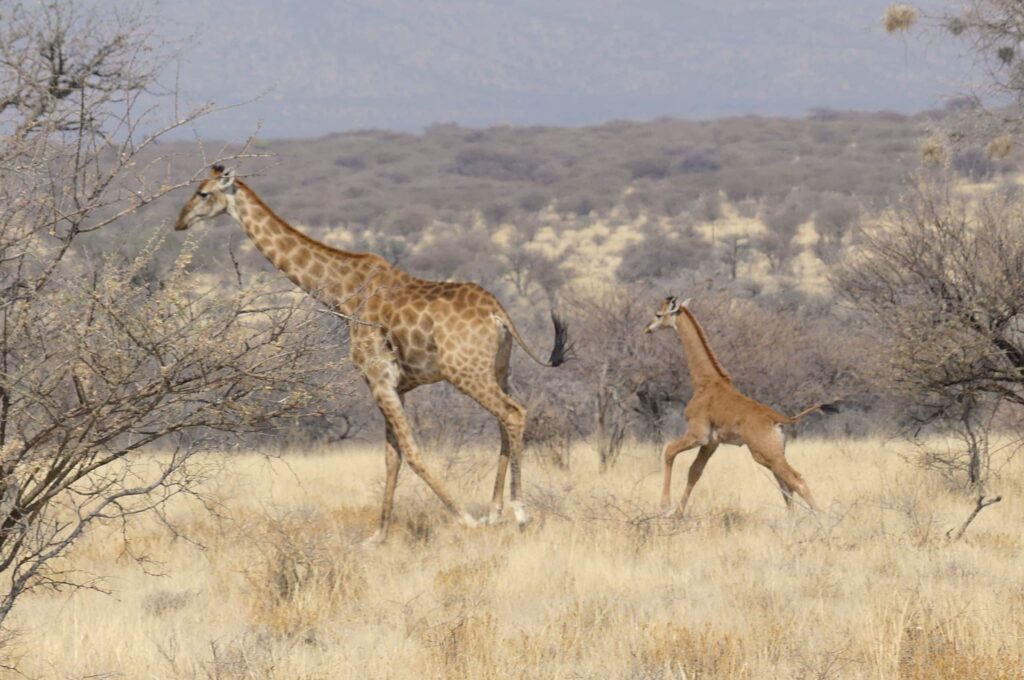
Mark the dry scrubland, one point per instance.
(594, 588)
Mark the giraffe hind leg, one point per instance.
(498, 496)
(511, 417)
(787, 493)
(501, 371)
(772, 455)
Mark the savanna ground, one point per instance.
(275, 584)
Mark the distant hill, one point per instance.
(396, 182)
(627, 199)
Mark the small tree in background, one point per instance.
(834, 218)
(735, 250)
(628, 376)
(531, 270)
(782, 223)
(661, 256)
(941, 279)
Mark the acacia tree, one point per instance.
(628, 379)
(940, 278)
(96, 364)
(992, 32)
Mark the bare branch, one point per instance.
(978, 507)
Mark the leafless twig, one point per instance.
(979, 506)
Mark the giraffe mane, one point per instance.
(306, 238)
(704, 342)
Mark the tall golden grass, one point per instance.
(276, 584)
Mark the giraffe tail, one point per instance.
(561, 350)
(831, 407)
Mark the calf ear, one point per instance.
(673, 305)
(685, 303)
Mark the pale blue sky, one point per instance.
(322, 66)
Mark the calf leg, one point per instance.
(787, 493)
(774, 458)
(690, 439)
(696, 470)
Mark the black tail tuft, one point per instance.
(830, 408)
(562, 351)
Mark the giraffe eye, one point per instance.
(203, 194)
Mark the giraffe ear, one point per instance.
(673, 305)
(685, 303)
(226, 180)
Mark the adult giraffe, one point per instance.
(405, 332)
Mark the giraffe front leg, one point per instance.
(391, 406)
(696, 470)
(689, 440)
(393, 460)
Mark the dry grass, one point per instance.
(595, 588)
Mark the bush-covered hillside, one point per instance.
(747, 215)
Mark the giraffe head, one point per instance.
(210, 199)
(667, 312)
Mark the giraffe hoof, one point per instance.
(522, 517)
(494, 517)
(468, 521)
(375, 540)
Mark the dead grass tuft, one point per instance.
(466, 581)
(933, 151)
(462, 646)
(936, 647)
(303, 574)
(161, 602)
(672, 650)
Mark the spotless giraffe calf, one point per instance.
(719, 414)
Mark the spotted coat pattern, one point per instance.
(405, 332)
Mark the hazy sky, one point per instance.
(321, 66)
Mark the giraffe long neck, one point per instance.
(338, 278)
(704, 366)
